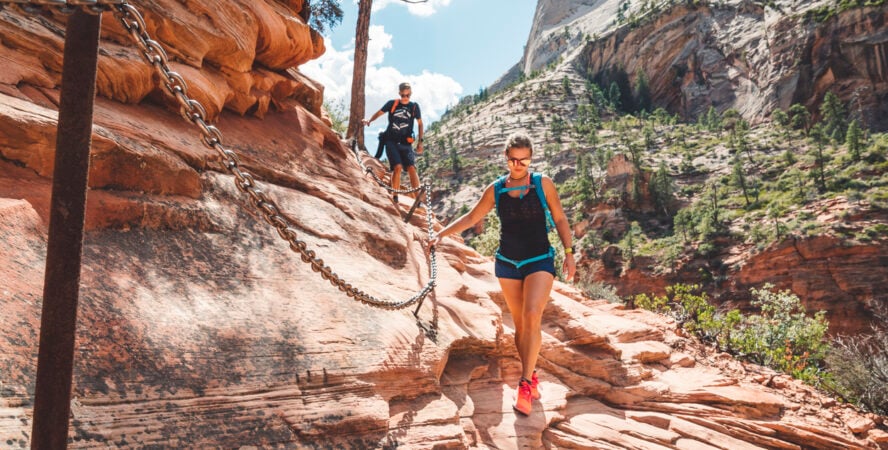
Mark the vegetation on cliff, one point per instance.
(783, 336)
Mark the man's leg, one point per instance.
(408, 157)
(396, 176)
(414, 178)
(394, 157)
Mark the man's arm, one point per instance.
(375, 116)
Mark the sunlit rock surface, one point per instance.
(198, 327)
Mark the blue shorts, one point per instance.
(508, 270)
(400, 154)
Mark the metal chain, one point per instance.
(192, 111)
(65, 6)
(379, 181)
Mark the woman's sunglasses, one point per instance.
(521, 161)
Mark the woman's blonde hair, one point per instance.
(519, 140)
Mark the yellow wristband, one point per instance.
(569, 250)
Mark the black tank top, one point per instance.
(523, 232)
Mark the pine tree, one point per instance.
(714, 207)
(455, 164)
(662, 187)
(322, 13)
(649, 142)
(800, 118)
(819, 137)
(740, 139)
(853, 139)
(683, 222)
(780, 118)
(832, 113)
(738, 178)
(359, 72)
(642, 91)
(775, 212)
(613, 95)
(584, 178)
(631, 241)
(710, 120)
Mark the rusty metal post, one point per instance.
(416, 203)
(58, 322)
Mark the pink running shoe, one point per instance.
(523, 397)
(535, 386)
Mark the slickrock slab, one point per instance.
(198, 327)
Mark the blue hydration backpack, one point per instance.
(536, 179)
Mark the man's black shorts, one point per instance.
(400, 154)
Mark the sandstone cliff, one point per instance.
(752, 58)
(199, 328)
(728, 54)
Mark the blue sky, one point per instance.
(446, 48)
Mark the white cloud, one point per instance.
(380, 41)
(424, 9)
(333, 70)
(433, 91)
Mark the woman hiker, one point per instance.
(525, 264)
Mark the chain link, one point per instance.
(65, 6)
(192, 111)
(379, 181)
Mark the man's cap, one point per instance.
(403, 86)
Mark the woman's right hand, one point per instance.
(434, 241)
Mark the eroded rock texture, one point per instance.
(198, 327)
(752, 58)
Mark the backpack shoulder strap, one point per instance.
(394, 105)
(497, 189)
(537, 179)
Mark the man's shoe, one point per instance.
(395, 199)
(523, 398)
(535, 386)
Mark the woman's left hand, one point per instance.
(569, 267)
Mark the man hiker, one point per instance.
(399, 136)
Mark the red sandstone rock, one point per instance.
(198, 327)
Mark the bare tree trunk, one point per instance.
(362, 39)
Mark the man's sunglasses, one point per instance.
(405, 95)
(521, 161)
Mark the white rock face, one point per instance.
(553, 17)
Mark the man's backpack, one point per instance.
(395, 106)
(395, 102)
(381, 146)
(536, 179)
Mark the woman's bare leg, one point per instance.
(537, 287)
(513, 291)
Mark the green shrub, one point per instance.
(601, 291)
(858, 367)
(658, 304)
(689, 307)
(782, 336)
(821, 14)
(487, 242)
